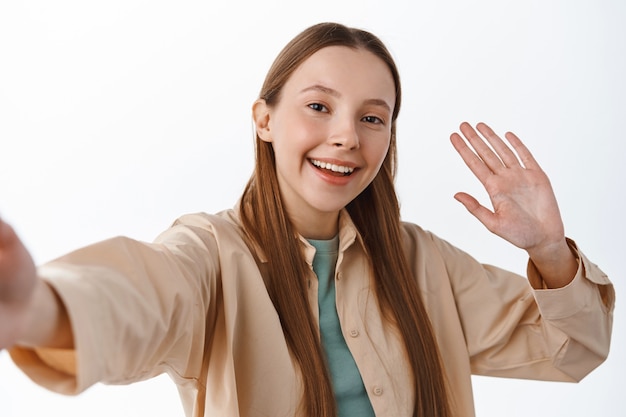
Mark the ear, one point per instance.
(261, 116)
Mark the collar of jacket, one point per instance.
(348, 234)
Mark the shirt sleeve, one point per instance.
(513, 327)
(136, 309)
(582, 310)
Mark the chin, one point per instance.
(327, 206)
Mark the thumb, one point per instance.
(8, 237)
(17, 269)
(484, 215)
(6, 232)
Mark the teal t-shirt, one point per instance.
(350, 393)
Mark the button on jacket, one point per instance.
(194, 304)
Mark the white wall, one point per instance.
(118, 116)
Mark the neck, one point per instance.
(319, 226)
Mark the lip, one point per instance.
(333, 179)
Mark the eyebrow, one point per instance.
(335, 93)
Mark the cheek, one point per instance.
(307, 129)
(377, 159)
(298, 132)
(377, 152)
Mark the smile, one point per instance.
(338, 169)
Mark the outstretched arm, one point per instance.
(30, 311)
(525, 211)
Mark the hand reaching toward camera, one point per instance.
(30, 312)
(525, 211)
(17, 284)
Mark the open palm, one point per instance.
(525, 211)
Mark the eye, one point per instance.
(318, 107)
(373, 119)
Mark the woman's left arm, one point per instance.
(575, 299)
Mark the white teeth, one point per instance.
(332, 167)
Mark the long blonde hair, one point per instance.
(376, 214)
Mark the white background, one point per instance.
(116, 117)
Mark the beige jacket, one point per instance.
(193, 304)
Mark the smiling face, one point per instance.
(330, 132)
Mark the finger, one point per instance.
(528, 160)
(473, 162)
(506, 155)
(488, 156)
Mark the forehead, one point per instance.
(354, 71)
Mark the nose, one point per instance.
(345, 135)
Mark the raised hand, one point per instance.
(525, 211)
(18, 279)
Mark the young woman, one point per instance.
(311, 297)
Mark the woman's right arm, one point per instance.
(31, 314)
